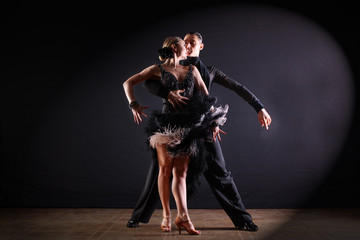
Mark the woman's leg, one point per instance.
(180, 166)
(165, 166)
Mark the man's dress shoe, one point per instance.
(250, 226)
(132, 223)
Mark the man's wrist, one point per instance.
(259, 107)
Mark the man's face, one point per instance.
(193, 45)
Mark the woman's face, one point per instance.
(181, 50)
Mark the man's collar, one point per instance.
(190, 60)
(193, 60)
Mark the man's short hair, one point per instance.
(195, 33)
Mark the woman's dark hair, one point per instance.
(166, 52)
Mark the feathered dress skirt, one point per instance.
(186, 131)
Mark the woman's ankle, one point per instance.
(184, 216)
(167, 214)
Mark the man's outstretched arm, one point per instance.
(221, 78)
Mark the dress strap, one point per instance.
(162, 70)
(159, 65)
(190, 67)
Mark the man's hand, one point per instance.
(137, 112)
(216, 133)
(176, 99)
(264, 118)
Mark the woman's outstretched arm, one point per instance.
(137, 110)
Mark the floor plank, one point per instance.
(110, 224)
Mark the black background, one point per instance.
(49, 53)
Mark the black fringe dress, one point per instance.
(184, 131)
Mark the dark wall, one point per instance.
(67, 135)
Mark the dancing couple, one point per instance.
(184, 134)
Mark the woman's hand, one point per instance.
(216, 133)
(138, 112)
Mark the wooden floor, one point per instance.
(90, 224)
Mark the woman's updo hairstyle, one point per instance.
(166, 51)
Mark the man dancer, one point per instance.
(218, 177)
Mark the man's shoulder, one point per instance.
(211, 68)
(214, 70)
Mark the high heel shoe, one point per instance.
(185, 224)
(167, 226)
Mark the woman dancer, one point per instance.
(177, 136)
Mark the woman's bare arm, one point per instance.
(199, 82)
(149, 72)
